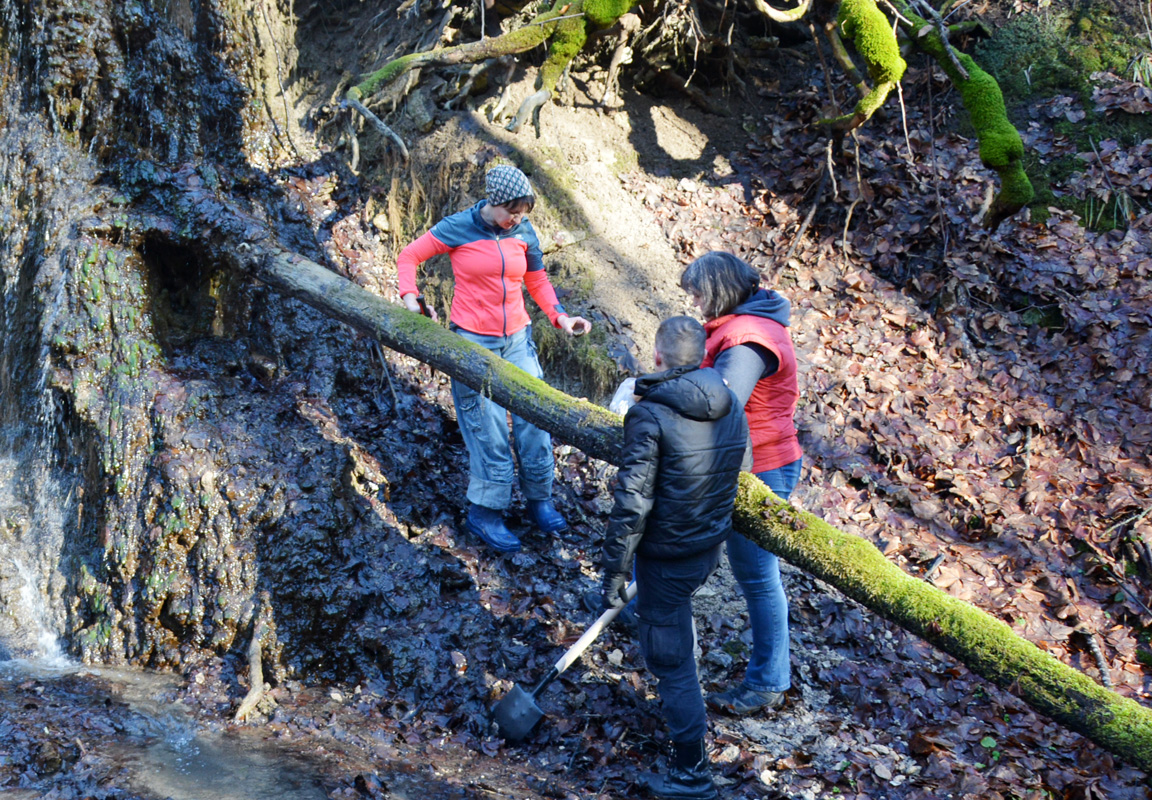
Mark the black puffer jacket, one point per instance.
(685, 442)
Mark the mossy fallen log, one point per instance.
(581, 424)
(192, 215)
(850, 564)
(984, 644)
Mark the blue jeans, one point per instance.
(758, 573)
(484, 426)
(667, 633)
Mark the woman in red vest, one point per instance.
(749, 345)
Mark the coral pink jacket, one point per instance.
(489, 266)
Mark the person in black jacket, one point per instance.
(685, 442)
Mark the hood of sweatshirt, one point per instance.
(767, 303)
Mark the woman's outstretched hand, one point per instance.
(573, 326)
(415, 304)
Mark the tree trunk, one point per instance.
(981, 642)
(851, 564)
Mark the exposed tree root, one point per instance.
(783, 16)
(530, 108)
(379, 125)
(627, 27)
(261, 628)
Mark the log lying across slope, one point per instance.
(854, 566)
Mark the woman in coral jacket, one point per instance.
(749, 345)
(494, 252)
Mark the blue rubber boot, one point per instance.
(488, 524)
(545, 516)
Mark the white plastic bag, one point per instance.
(624, 398)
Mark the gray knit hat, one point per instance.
(504, 183)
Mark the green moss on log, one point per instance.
(1001, 147)
(875, 41)
(524, 38)
(568, 41)
(1000, 142)
(603, 13)
(865, 24)
(985, 644)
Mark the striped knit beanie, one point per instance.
(504, 183)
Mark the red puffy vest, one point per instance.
(773, 401)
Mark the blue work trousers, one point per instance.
(758, 573)
(664, 592)
(484, 426)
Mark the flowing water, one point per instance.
(134, 729)
(132, 734)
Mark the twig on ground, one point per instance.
(1093, 642)
(260, 629)
(379, 125)
(811, 211)
(828, 165)
(1131, 520)
(353, 143)
(904, 119)
(929, 574)
(379, 353)
(944, 229)
(1026, 450)
(833, 102)
(855, 200)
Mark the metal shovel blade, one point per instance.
(516, 715)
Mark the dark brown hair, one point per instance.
(721, 281)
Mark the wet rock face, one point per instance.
(215, 440)
(125, 78)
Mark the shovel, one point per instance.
(517, 714)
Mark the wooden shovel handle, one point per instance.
(593, 631)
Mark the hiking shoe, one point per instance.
(488, 524)
(545, 516)
(742, 700)
(689, 776)
(593, 602)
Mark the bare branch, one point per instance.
(378, 124)
(942, 30)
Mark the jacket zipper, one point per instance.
(503, 289)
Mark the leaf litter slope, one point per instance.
(977, 409)
(997, 456)
(948, 426)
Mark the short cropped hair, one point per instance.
(721, 281)
(680, 342)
